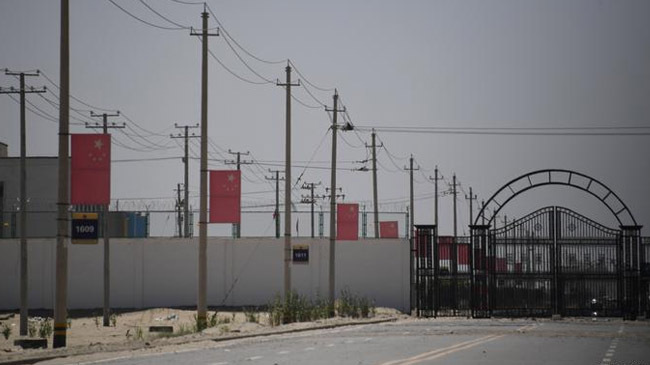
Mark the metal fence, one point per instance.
(553, 261)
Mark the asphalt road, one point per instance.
(441, 341)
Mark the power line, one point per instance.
(502, 133)
(164, 17)
(307, 80)
(225, 31)
(144, 21)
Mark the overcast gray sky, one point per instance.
(467, 64)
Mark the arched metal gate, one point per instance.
(553, 261)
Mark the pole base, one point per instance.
(58, 341)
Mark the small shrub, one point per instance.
(224, 329)
(213, 320)
(251, 315)
(31, 329)
(96, 320)
(184, 329)
(69, 322)
(113, 320)
(139, 334)
(45, 329)
(6, 331)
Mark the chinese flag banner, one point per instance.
(347, 222)
(225, 196)
(388, 229)
(90, 170)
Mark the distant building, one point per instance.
(42, 195)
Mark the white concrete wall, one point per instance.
(161, 272)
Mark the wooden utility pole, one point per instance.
(63, 199)
(410, 169)
(238, 162)
(202, 307)
(105, 225)
(276, 214)
(310, 200)
(24, 291)
(179, 205)
(287, 182)
(435, 180)
(186, 161)
(483, 212)
(471, 198)
(375, 200)
(332, 259)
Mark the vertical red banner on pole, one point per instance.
(90, 169)
(225, 196)
(347, 222)
(388, 229)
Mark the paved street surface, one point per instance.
(441, 341)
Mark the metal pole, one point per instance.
(178, 210)
(455, 215)
(60, 309)
(277, 204)
(287, 189)
(23, 214)
(202, 308)
(412, 223)
(186, 201)
(107, 251)
(24, 282)
(435, 200)
(375, 201)
(332, 258)
(471, 206)
(238, 225)
(312, 210)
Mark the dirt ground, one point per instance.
(130, 329)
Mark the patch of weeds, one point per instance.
(139, 334)
(185, 329)
(350, 305)
(251, 315)
(113, 319)
(213, 320)
(6, 331)
(224, 320)
(96, 320)
(45, 330)
(321, 309)
(31, 329)
(224, 329)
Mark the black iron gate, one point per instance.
(553, 261)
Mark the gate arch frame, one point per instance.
(568, 181)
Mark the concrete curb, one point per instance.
(61, 353)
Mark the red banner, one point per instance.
(388, 229)
(90, 172)
(347, 222)
(225, 196)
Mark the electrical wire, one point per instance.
(268, 81)
(144, 21)
(504, 133)
(225, 31)
(307, 80)
(164, 17)
(233, 73)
